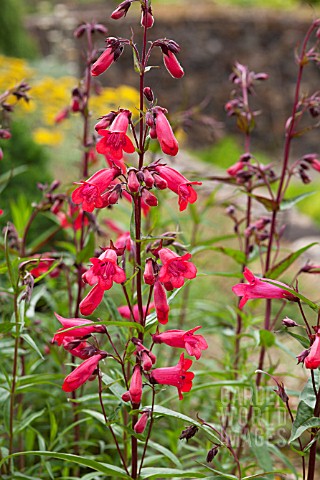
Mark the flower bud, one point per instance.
(287, 322)
(149, 198)
(147, 19)
(148, 178)
(149, 274)
(121, 10)
(105, 121)
(141, 423)
(211, 454)
(4, 134)
(188, 432)
(148, 93)
(133, 182)
(159, 182)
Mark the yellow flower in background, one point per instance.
(47, 137)
(50, 95)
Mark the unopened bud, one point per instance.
(287, 322)
(302, 356)
(212, 453)
(148, 178)
(149, 198)
(188, 432)
(149, 274)
(4, 134)
(148, 93)
(133, 182)
(159, 182)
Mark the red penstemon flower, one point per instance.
(115, 140)
(161, 303)
(89, 192)
(81, 374)
(313, 359)
(259, 288)
(175, 269)
(110, 55)
(78, 332)
(193, 344)
(178, 184)
(103, 272)
(177, 376)
(165, 135)
(141, 423)
(135, 388)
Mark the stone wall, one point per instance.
(211, 40)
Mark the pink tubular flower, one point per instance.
(179, 185)
(165, 136)
(135, 389)
(91, 301)
(259, 288)
(172, 65)
(110, 55)
(115, 140)
(76, 332)
(81, 374)
(121, 10)
(141, 423)
(183, 339)
(147, 19)
(175, 269)
(161, 303)
(177, 376)
(89, 192)
(104, 271)
(313, 358)
(234, 169)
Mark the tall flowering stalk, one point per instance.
(136, 180)
(264, 233)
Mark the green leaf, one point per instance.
(268, 203)
(307, 394)
(167, 412)
(267, 338)
(260, 451)
(304, 299)
(304, 341)
(97, 415)
(166, 452)
(112, 308)
(87, 251)
(151, 472)
(282, 266)
(5, 327)
(32, 343)
(221, 474)
(26, 422)
(297, 431)
(105, 468)
(287, 203)
(237, 255)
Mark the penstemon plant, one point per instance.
(259, 235)
(144, 266)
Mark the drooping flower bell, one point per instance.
(177, 376)
(90, 191)
(175, 269)
(259, 288)
(135, 388)
(103, 272)
(142, 422)
(169, 49)
(165, 135)
(78, 331)
(115, 140)
(161, 303)
(178, 184)
(82, 373)
(110, 55)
